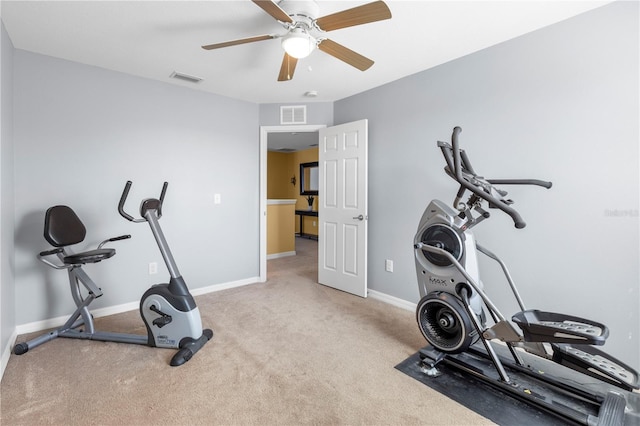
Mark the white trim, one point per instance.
(264, 132)
(118, 309)
(7, 352)
(102, 312)
(279, 255)
(224, 286)
(273, 201)
(56, 322)
(400, 303)
(262, 254)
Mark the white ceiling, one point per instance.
(154, 38)
(291, 141)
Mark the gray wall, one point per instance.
(7, 282)
(559, 104)
(81, 132)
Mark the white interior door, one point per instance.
(342, 211)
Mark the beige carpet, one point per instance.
(286, 352)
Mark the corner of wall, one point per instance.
(7, 289)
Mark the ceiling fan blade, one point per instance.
(370, 12)
(236, 42)
(346, 55)
(274, 10)
(288, 67)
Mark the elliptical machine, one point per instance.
(452, 316)
(168, 310)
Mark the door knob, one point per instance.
(359, 217)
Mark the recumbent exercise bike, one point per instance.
(452, 316)
(169, 311)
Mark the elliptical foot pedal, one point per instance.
(596, 363)
(539, 326)
(612, 410)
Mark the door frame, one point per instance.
(264, 132)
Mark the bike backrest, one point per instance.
(62, 227)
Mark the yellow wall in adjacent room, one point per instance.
(280, 229)
(281, 167)
(279, 174)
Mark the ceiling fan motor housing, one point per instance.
(302, 11)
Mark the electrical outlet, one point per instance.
(314, 223)
(216, 199)
(153, 268)
(388, 265)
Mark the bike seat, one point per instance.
(91, 256)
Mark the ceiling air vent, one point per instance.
(293, 114)
(185, 77)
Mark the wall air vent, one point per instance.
(293, 114)
(185, 77)
(286, 150)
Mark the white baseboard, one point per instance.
(225, 286)
(7, 352)
(395, 301)
(58, 321)
(126, 307)
(279, 255)
(102, 312)
(111, 310)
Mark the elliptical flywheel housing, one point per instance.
(444, 322)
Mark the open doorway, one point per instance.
(283, 134)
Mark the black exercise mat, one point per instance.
(478, 396)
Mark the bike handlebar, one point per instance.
(125, 194)
(457, 159)
(123, 198)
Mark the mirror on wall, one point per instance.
(309, 178)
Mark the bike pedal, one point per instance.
(596, 363)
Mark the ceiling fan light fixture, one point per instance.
(298, 43)
(304, 31)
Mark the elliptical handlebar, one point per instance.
(125, 194)
(457, 159)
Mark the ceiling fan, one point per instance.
(304, 31)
